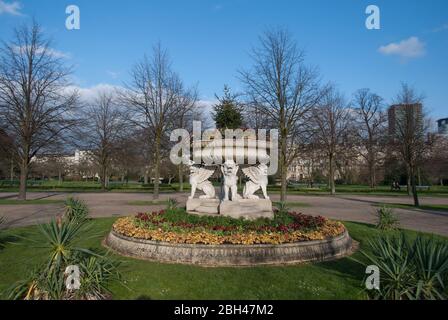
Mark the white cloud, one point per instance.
(409, 48)
(207, 104)
(113, 74)
(12, 8)
(218, 7)
(49, 51)
(58, 54)
(89, 94)
(441, 28)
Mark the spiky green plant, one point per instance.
(431, 267)
(172, 204)
(75, 209)
(409, 269)
(282, 207)
(386, 219)
(25, 288)
(60, 239)
(97, 273)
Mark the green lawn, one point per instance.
(84, 186)
(29, 202)
(339, 279)
(133, 186)
(437, 191)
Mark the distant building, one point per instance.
(442, 126)
(398, 112)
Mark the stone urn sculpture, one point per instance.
(247, 206)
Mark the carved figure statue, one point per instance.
(258, 179)
(199, 181)
(229, 170)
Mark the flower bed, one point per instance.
(177, 226)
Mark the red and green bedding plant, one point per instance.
(180, 227)
(180, 221)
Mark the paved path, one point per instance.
(343, 207)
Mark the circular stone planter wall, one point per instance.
(231, 255)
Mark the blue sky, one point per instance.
(210, 40)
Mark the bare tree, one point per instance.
(436, 161)
(7, 155)
(105, 126)
(331, 121)
(407, 128)
(51, 166)
(35, 108)
(371, 125)
(154, 94)
(127, 157)
(188, 111)
(284, 90)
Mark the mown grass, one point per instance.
(133, 186)
(437, 191)
(338, 279)
(29, 202)
(85, 186)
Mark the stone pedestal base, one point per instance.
(203, 206)
(250, 209)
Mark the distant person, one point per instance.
(396, 185)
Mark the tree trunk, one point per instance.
(408, 184)
(157, 168)
(103, 178)
(332, 185)
(12, 170)
(23, 179)
(372, 172)
(145, 177)
(414, 188)
(283, 168)
(419, 176)
(59, 177)
(181, 178)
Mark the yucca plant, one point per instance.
(391, 255)
(76, 209)
(282, 207)
(25, 289)
(386, 219)
(409, 269)
(60, 239)
(431, 268)
(97, 273)
(172, 204)
(51, 285)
